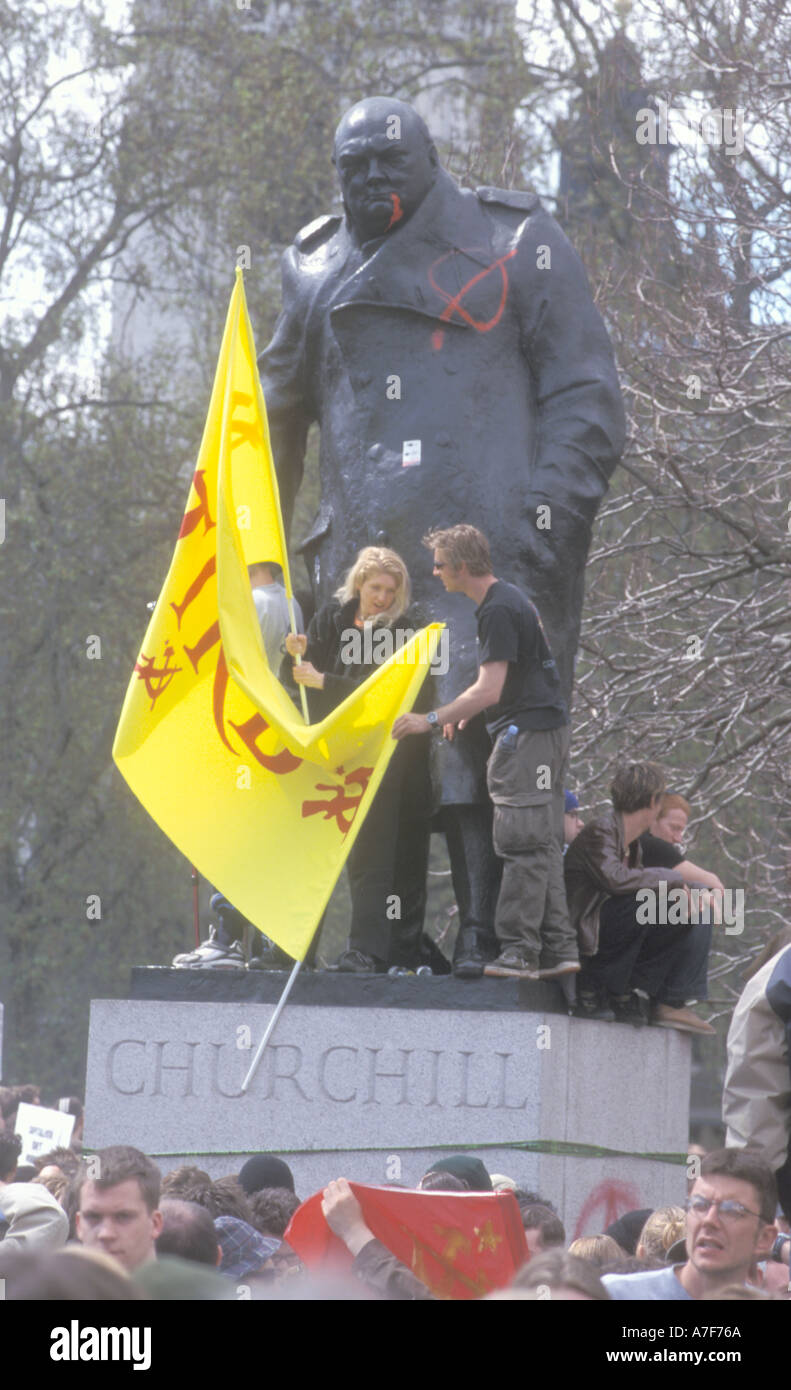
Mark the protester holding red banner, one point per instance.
(413, 1245)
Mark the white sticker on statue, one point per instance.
(410, 453)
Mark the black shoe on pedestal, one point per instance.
(358, 963)
(470, 956)
(431, 958)
(631, 1008)
(593, 1004)
(271, 957)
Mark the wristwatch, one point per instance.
(777, 1249)
(432, 718)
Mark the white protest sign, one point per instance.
(41, 1130)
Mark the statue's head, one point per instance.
(386, 164)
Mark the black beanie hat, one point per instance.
(470, 1170)
(265, 1170)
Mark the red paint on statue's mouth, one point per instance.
(398, 211)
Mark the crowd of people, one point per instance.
(109, 1226)
(579, 899)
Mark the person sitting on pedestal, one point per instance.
(639, 972)
(572, 820)
(662, 847)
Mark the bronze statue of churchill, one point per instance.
(447, 344)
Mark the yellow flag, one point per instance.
(265, 806)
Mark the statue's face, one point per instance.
(383, 179)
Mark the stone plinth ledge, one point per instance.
(370, 1078)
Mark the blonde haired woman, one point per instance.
(376, 591)
(390, 855)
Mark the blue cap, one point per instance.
(572, 804)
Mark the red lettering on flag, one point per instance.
(194, 589)
(148, 672)
(210, 637)
(340, 805)
(250, 732)
(199, 513)
(218, 698)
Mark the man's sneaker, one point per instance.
(683, 1019)
(354, 962)
(212, 955)
(630, 1008)
(563, 967)
(512, 963)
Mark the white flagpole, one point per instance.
(270, 1027)
(302, 692)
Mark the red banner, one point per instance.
(460, 1244)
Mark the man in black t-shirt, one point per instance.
(661, 847)
(519, 690)
(659, 853)
(661, 844)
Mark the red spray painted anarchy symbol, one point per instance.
(612, 1198)
(453, 303)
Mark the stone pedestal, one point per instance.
(372, 1078)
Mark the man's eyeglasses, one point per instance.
(728, 1210)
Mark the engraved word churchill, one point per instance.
(345, 1074)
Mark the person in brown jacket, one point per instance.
(633, 970)
(756, 1099)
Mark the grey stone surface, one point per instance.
(322, 987)
(375, 1093)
